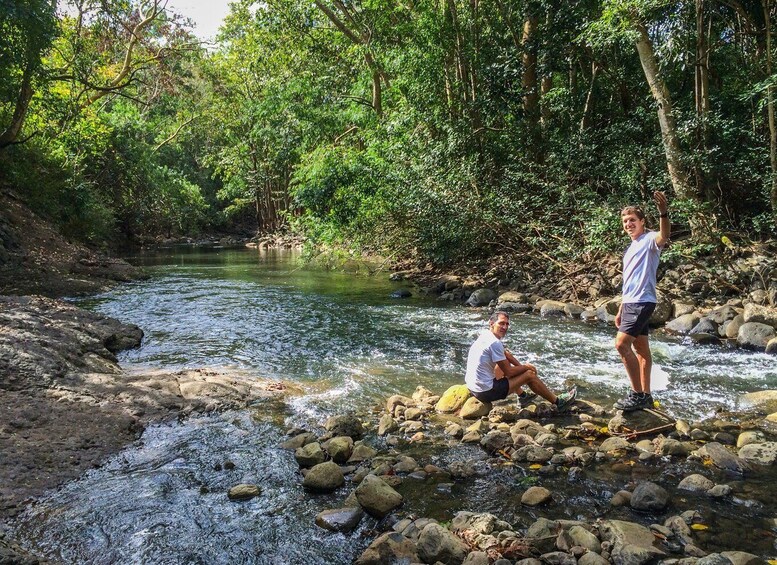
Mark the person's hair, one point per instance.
(636, 210)
(495, 316)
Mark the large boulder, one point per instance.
(389, 548)
(309, 455)
(339, 448)
(474, 409)
(345, 425)
(649, 496)
(761, 453)
(755, 335)
(324, 477)
(377, 497)
(663, 310)
(438, 544)
(452, 399)
(551, 308)
(481, 297)
(683, 324)
(632, 544)
(760, 314)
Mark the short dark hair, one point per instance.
(495, 316)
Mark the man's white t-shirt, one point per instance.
(640, 265)
(483, 356)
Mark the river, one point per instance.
(349, 345)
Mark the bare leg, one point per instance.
(530, 379)
(499, 373)
(623, 343)
(645, 359)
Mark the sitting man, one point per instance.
(493, 372)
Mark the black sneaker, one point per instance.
(634, 401)
(526, 397)
(565, 399)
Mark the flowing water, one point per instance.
(349, 345)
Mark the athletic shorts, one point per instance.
(635, 317)
(498, 392)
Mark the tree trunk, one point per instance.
(588, 109)
(666, 120)
(11, 133)
(701, 94)
(770, 110)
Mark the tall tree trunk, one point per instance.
(588, 109)
(701, 94)
(11, 133)
(666, 119)
(770, 109)
(531, 95)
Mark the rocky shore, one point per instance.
(718, 454)
(65, 404)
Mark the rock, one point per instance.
(637, 420)
(542, 535)
(621, 498)
(389, 548)
(309, 455)
(244, 492)
(681, 309)
(592, 558)
(386, 425)
(761, 453)
(345, 425)
(340, 519)
(705, 326)
(582, 537)
(401, 293)
(558, 558)
(477, 558)
(495, 441)
(376, 497)
(742, 558)
(663, 310)
(405, 464)
(481, 297)
(732, 327)
(760, 314)
(532, 454)
(750, 436)
(612, 444)
(551, 308)
(696, 483)
(754, 335)
(398, 400)
(632, 544)
(766, 399)
(649, 496)
(474, 408)
(324, 477)
(452, 399)
(719, 491)
(771, 346)
(534, 496)
(723, 459)
(361, 452)
(438, 544)
(299, 440)
(424, 395)
(339, 448)
(723, 314)
(573, 310)
(683, 324)
(512, 296)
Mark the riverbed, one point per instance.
(349, 345)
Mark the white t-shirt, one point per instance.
(640, 265)
(483, 356)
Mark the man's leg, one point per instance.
(623, 343)
(530, 379)
(645, 359)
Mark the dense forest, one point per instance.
(434, 129)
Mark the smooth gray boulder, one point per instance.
(324, 477)
(388, 548)
(377, 497)
(755, 335)
(340, 519)
(438, 544)
(632, 544)
(649, 496)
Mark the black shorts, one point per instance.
(635, 317)
(499, 391)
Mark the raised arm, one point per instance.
(665, 226)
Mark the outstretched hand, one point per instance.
(661, 202)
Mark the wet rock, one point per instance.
(612, 444)
(339, 448)
(324, 477)
(481, 297)
(401, 293)
(750, 436)
(662, 311)
(683, 324)
(637, 420)
(532, 454)
(376, 497)
(632, 544)
(720, 491)
(534, 496)
(761, 453)
(771, 346)
(299, 440)
(558, 558)
(452, 399)
(512, 296)
(398, 400)
(696, 483)
(742, 558)
(732, 327)
(244, 492)
(391, 547)
(582, 537)
(405, 464)
(649, 496)
(495, 441)
(592, 558)
(345, 425)
(361, 452)
(760, 314)
(723, 459)
(309, 455)
(542, 535)
(340, 519)
(477, 558)
(438, 544)
(474, 408)
(551, 308)
(754, 335)
(386, 425)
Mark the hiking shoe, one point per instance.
(526, 397)
(565, 399)
(635, 401)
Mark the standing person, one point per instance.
(493, 372)
(640, 265)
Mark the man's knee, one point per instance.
(642, 346)
(623, 343)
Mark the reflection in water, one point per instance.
(349, 346)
